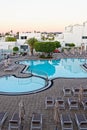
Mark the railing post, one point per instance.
(31, 72)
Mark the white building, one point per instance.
(76, 34)
(24, 36)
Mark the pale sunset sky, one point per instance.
(41, 15)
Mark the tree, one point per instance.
(57, 44)
(50, 37)
(31, 42)
(10, 39)
(7, 34)
(43, 38)
(15, 49)
(46, 47)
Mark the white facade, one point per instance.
(76, 34)
(25, 36)
(7, 45)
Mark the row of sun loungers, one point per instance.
(72, 103)
(36, 121)
(74, 91)
(7, 65)
(65, 118)
(49, 103)
(11, 68)
(14, 123)
(67, 123)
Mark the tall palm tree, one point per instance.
(31, 42)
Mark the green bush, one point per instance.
(45, 57)
(15, 49)
(10, 39)
(42, 56)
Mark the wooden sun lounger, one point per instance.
(1, 64)
(73, 103)
(84, 103)
(61, 103)
(67, 91)
(3, 116)
(14, 122)
(36, 121)
(10, 68)
(84, 91)
(66, 122)
(75, 91)
(49, 102)
(81, 121)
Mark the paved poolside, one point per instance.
(35, 102)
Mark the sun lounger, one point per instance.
(81, 121)
(75, 91)
(66, 122)
(1, 64)
(49, 102)
(11, 68)
(84, 103)
(14, 122)
(84, 91)
(61, 103)
(36, 121)
(67, 91)
(73, 103)
(3, 116)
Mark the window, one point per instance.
(23, 37)
(24, 47)
(66, 44)
(84, 37)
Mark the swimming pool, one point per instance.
(42, 70)
(66, 68)
(12, 86)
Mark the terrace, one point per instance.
(36, 102)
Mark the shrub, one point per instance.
(15, 49)
(10, 39)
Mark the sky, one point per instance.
(41, 15)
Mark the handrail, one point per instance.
(39, 73)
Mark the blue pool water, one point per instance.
(13, 85)
(68, 68)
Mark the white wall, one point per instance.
(7, 45)
(77, 34)
(30, 35)
(73, 34)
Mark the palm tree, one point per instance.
(31, 43)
